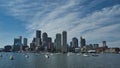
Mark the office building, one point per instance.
(38, 34)
(75, 42)
(82, 42)
(25, 41)
(17, 44)
(44, 39)
(58, 42)
(104, 43)
(64, 41)
(38, 38)
(49, 47)
(8, 48)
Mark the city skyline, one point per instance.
(43, 43)
(95, 20)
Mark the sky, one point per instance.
(94, 20)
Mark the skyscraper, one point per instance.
(64, 41)
(20, 37)
(38, 38)
(25, 41)
(104, 43)
(75, 42)
(33, 44)
(17, 43)
(49, 43)
(58, 42)
(44, 39)
(82, 42)
(38, 34)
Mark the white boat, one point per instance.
(68, 54)
(11, 57)
(26, 56)
(51, 54)
(46, 56)
(85, 55)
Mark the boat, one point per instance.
(86, 55)
(51, 54)
(26, 56)
(11, 57)
(46, 56)
(68, 54)
(95, 55)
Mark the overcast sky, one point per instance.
(95, 20)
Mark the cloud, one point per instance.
(95, 27)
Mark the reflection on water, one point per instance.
(59, 61)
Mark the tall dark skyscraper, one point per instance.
(64, 41)
(25, 41)
(17, 43)
(75, 42)
(33, 44)
(44, 39)
(49, 42)
(58, 42)
(104, 43)
(44, 36)
(82, 42)
(38, 38)
(38, 34)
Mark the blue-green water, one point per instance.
(59, 61)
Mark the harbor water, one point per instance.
(57, 60)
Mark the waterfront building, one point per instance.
(71, 47)
(64, 41)
(8, 48)
(95, 46)
(20, 37)
(82, 42)
(58, 42)
(75, 42)
(104, 43)
(38, 34)
(32, 46)
(17, 44)
(45, 40)
(112, 50)
(50, 44)
(38, 38)
(25, 41)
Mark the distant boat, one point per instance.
(86, 55)
(51, 54)
(78, 54)
(95, 55)
(68, 54)
(11, 57)
(26, 56)
(46, 56)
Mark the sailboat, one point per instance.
(11, 57)
(46, 56)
